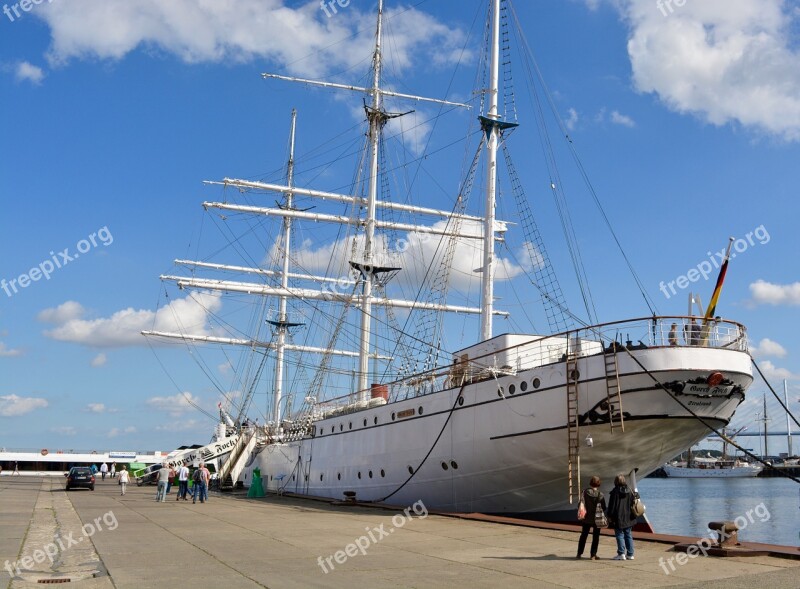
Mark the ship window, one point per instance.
(392, 416)
(575, 375)
(523, 386)
(351, 425)
(333, 428)
(512, 389)
(359, 475)
(341, 426)
(320, 477)
(536, 383)
(370, 474)
(420, 410)
(383, 473)
(375, 420)
(292, 477)
(365, 423)
(410, 470)
(460, 400)
(444, 466)
(454, 464)
(339, 476)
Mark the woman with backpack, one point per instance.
(619, 514)
(594, 504)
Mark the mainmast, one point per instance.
(377, 119)
(282, 325)
(492, 129)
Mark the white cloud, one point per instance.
(721, 60)
(174, 405)
(123, 327)
(767, 347)
(620, 119)
(184, 425)
(6, 352)
(96, 408)
(773, 373)
(300, 38)
(99, 360)
(775, 294)
(66, 430)
(27, 72)
(571, 121)
(117, 431)
(13, 405)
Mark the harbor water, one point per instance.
(770, 507)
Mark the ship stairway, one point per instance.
(613, 395)
(573, 457)
(230, 471)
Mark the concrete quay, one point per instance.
(105, 540)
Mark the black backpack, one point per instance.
(197, 476)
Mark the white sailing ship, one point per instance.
(710, 467)
(506, 425)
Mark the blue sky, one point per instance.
(687, 120)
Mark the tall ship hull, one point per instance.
(504, 449)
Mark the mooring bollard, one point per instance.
(727, 533)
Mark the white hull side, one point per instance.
(510, 453)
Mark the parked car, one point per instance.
(80, 477)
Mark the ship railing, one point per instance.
(634, 334)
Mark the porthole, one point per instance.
(365, 423)
(341, 426)
(512, 389)
(270, 477)
(454, 464)
(370, 474)
(460, 400)
(359, 475)
(499, 391)
(410, 470)
(338, 476)
(383, 473)
(333, 428)
(444, 466)
(375, 420)
(320, 477)
(523, 386)
(536, 383)
(575, 375)
(420, 410)
(292, 477)
(350, 426)
(392, 416)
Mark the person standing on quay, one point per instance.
(183, 483)
(163, 481)
(123, 479)
(103, 470)
(113, 469)
(620, 516)
(595, 505)
(206, 481)
(171, 478)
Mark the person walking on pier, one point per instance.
(183, 483)
(163, 481)
(123, 479)
(620, 516)
(113, 469)
(595, 517)
(103, 470)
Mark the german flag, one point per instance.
(708, 320)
